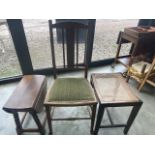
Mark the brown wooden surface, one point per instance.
(141, 31)
(128, 38)
(112, 89)
(26, 94)
(138, 43)
(142, 44)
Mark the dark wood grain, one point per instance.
(69, 25)
(63, 47)
(77, 47)
(52, 47)
(70, 35)
(26, 94)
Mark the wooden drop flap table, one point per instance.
(28, 97)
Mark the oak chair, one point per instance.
(69, 92)
(142, 71)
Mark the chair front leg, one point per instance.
(146, 77)
(93, 118)
(99, 119)
(49, 119)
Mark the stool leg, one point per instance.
(36, 119)
(18, 124)
(93, 118)
(99, 119)
(49, 119)
(132, 116)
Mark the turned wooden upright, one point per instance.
(28, 97)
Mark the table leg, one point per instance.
(99, 119)
(132, 116)
(93, 118)
(36, 119)
(49, 119)
(18, 124)
(131, 49)
(118, 50)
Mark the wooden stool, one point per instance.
(28, 97)
(112, 91)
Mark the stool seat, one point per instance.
(136, 69)
(112, 89)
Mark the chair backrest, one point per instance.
(70, 45)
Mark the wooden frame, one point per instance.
(71, 38)
(19, 123)
(148, 75)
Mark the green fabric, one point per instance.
(70, 89)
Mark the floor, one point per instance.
(144, 123)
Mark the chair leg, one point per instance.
(99, 119)
(93, 118)
(118, 51)
(49, 119)
(140, 86)
(132, 116)
(147, 75)
(18, 124)
(36, 119)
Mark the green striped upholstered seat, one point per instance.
(70, 90)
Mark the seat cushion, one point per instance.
(70, 89)
(136, 68)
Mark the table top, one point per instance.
(26, 93)
(111, 88)
(141, 31)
